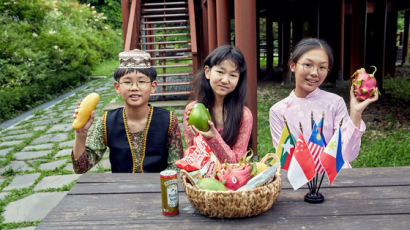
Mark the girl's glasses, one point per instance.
(307, 68)
(139, 84)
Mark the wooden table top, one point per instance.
(365, 198)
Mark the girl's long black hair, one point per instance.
(234, 102)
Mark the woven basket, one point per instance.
(233, 204)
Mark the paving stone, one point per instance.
(32, 208)
(39, 128)
(26, 228)
(16, 166)
(55, 137)
(64, 152)
(52, 165)
(17, 136)
(103, 163)
(56, 181)
(31, 155)
(3, 152)
(3, 195)
(16, 131)
(37, 147)
(69, 144)
(22, 181)
(69, 167)
(46, 121)
(10, 143)
(60, 127)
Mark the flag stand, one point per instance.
(314, 198)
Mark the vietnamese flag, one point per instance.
(302, 167)
(332, 158)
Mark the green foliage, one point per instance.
(49, 47)
(398, 88)
(110, 8)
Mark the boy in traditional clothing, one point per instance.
(141, 138)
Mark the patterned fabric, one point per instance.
(222, 150)
(297, 110)
(95, 147)
(134, 59)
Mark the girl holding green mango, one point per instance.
(221, 87)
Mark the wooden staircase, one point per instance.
(164, 32)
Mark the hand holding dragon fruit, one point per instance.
(364, 84)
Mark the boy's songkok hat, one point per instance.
(134, 59)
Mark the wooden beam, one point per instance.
(211, 25)
(222, 23)
(406, 37)
(130, 25)
(358, 35)
(125, 10)
(245, 40)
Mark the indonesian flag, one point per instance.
(316, 147)
(301, 168)
(285, 148)
(332, 158)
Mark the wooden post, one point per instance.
(125, 9)
(223, 23)
(358, 35)
(204, 41)
(342, 40)
(269, 42)
(245, 40)
(406, 37)
(211, 25)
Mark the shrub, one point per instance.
(49, 47)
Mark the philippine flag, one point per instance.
(301, 168)
(332, 158)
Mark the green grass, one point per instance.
(105, 68)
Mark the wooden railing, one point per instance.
(194, 49)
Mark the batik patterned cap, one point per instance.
(134, 59)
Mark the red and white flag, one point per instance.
(302, 167)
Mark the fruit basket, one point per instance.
(233, 204)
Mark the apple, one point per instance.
(199, 117)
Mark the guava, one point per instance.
(199, 117)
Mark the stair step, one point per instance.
(166, 28)
(166, 22)
(169, 50)
(164, 15)
(164, 35)
(166, 43)
(171, 66)
(156, 10)
(174, 74)
(172, 58)
(171, 93)
(174, 83)
(165, 3)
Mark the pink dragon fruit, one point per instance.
(364, 84)
(235, 178)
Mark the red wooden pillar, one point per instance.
(358, 35)
(211, 24)
(245, 40)
(406, 37)
(222, 23)
(342, 39)
(125, 9)
(204, 43)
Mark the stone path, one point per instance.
(35, 158)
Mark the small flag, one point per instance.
(316, 147)
(320, 128)
(285, 148)
(332, 158)
(301, 168)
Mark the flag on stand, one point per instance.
(285, 147)
(316, 147)
(332, 158)
(301, 168)
(320, 128)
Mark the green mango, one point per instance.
(199, 117)
(210, 184)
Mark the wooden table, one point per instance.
(368, 198)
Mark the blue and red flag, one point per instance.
(332, 158)
(316, 146)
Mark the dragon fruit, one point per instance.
(364, 84)
(234, 178)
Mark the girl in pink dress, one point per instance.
(221, 87)
(310, 63)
